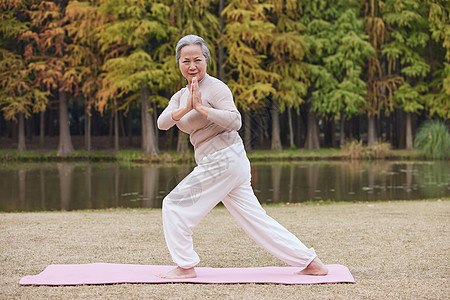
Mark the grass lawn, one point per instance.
(395, 250)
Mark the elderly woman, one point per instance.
(206, 111)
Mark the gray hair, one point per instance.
(192, 40)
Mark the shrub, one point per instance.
(379, 151)
(433, 139)
(353, 150)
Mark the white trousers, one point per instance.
(225, 176)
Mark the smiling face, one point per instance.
(192, 62)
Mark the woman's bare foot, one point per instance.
(316, 268)
(178, 273)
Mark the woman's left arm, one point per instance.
(225, 116)
(223, 111)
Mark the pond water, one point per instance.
(71, 186)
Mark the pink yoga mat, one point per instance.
(103, 273)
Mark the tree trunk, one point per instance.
(355, 128)
(155, 125)
(29, 130)
(51, 123)
(169, 137)
(328, 132)
(41, 129)
(144, 111)
(95, 123)
(371, 131)
(21, 146)
(122, 125)
(389, 129)
(291, 129)
(348, 130)
(312, 134)
(299, 130)
(276, 141)
(333, 133)
(65, 141)
(182, 143)
(261, 130)
(111, 128)
(75, 117)
(149, 144)
(378, 127)
(409, 134)
(14, 130)
(116, 128)
(87, 130)
(221, 52)
(248, 131)
(400, 128)
(129, 128)
(342, 132)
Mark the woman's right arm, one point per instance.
(165, 120)
(173, 112)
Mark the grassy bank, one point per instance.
(137, 156)
(395, 250)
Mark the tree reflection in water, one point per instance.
(149, 186)
(65, 171)
(68, 186)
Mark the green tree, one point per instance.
(246, 37)
(408, 31)
(47, 56)
(83, 22)
(380, 84)
(19, 97)
(191, 17)
(287, 51)
(438, 98)
(338, 51)
(136, 32)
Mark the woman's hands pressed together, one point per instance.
(197, 98)
(194, 101)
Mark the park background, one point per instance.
(304, 74)
(82, 76)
